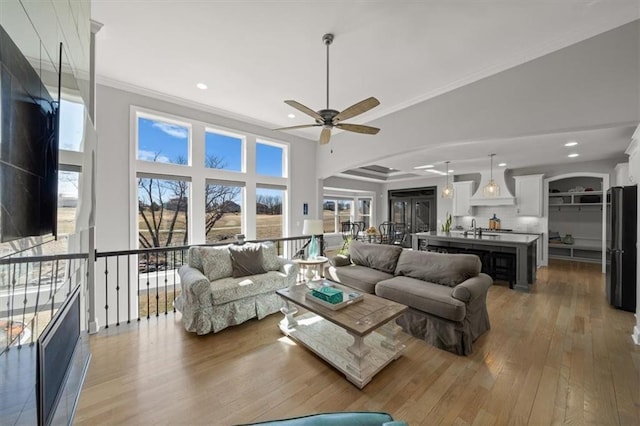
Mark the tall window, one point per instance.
(329, 216)
(67, 202)
(270, 160)
(223, 151)
(269, 218)
(223, 211)
(163, 218)
(344, 210)
(71, 125)
(364, 211)
(162, 142)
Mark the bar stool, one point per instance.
(485, 259)
(503, 267)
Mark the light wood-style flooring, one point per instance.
(559, 355)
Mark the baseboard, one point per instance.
(636, 335)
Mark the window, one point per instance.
(364, 212)
(223, 211)
(162, 212)
(71, 125)
(269, 160)
(269, 218)
(67, 202)
(329, 216)
(223, 151)
(162, 142)
(344, 211)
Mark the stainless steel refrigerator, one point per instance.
(621, 246)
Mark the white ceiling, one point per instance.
(253, 55)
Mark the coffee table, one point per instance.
(358, 340)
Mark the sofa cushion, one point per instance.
(216, 262)
(427, 297)
(441, 268)
(229, 289)
(246, 260)
(382, 257)
(193, 258)
(270, 259)
(359, 277)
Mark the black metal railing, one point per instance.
(134, 284)
(31, 290)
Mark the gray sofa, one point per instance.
(446, 293)
(228, 285)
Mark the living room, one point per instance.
(578, 82)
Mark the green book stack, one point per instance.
(328, 294)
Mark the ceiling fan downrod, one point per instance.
(327, 39)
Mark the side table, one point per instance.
(312, 267)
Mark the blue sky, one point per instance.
(167, 142)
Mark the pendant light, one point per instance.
(447, 190)
(492, 189)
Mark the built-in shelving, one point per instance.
(579, 214)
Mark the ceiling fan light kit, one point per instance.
(329, 118)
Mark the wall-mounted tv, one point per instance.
(28, 148)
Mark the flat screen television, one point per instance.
(28, 148)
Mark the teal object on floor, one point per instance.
(339, 419)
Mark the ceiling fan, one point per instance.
(330, 118)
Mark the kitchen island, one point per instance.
(523, 246)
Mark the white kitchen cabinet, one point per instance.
(462, 192)
(529, 195)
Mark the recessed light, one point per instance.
(201, 86)
(572, 143)
(451, 171)
(291, 116)
(427, 166)
(502, 164)
(573, 155)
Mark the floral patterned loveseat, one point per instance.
(227, 285)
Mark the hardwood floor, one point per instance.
(557, 355)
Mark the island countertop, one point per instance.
(523, 246)
(491, 239)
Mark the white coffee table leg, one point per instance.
(391, 331)
(289, 322)
(359, 350)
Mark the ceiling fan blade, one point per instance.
(358, 128)
(357, 109)
(302, 126)
(306, 110)
(325, 136)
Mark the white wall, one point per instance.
(592, 84)
(634, 167)
(114, 182)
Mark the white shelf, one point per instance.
(568, 194)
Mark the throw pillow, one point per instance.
(246, 260)
(377, 256)
(270, 259)
(341, 260)
(216, 262)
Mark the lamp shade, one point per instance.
(312, 227)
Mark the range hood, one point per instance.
(504, 199)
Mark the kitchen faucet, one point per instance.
(473, 226)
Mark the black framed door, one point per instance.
(415, 207)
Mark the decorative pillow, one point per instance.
(193, 258)
(246, 260)
(216, 262)
(382, 257)
(270, 259)
(341, 260)
(439, 268)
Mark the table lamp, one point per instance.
(312, 227)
